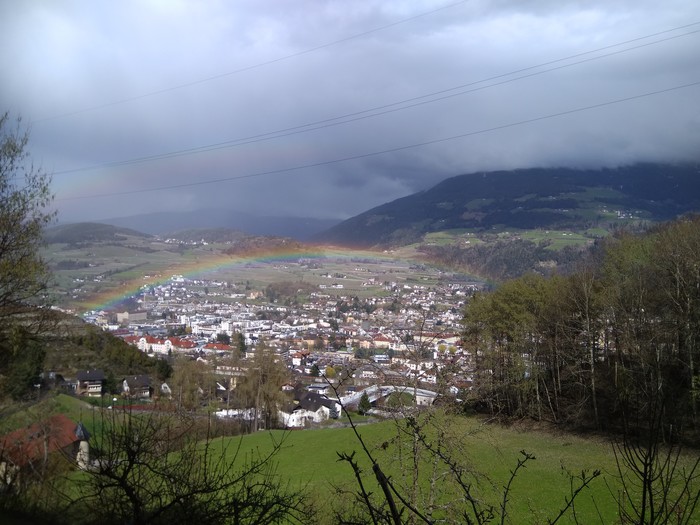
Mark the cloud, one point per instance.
(408, 92)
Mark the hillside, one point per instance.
(85, 232)
(538, 198)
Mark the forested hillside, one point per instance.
(70, 346)
(614, 346)
(551, 198)
(504, 259)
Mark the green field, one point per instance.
(309, 458)
(107, 269)
(557, 238)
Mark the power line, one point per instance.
(394, 106)
(390, 150)
(251, 67)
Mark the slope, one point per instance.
(544, 198)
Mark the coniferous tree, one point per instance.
(365, 405)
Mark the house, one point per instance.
(311, 408)
(138, 386)
(125, 318)
(382, 341)
(299, 358)
(28, 450)
(381, 359)
(320, 388)
(90, 382)
(367, 372)
(150, 344)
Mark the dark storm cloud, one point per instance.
(107, 82)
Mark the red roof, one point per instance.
(182, 343)
(29, 444)
(217, 346)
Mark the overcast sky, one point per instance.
(326, 108)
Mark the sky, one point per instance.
(327, 108)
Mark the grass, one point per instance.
(16, 415)
(310, 459)
(558, 238)
(85, 410)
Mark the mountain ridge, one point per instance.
(546, 198)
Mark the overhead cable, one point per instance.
(385, 151)
(390, 107)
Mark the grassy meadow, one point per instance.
(309, 459)
(488, 452)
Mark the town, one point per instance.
(334, 347)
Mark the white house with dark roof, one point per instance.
(311, 408)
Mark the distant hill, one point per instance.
(211, 235)
(89, 232)
(300, 228)
(538, 198)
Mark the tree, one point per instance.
(500, 329)
(678, 268)
(191, 383)
(652, 295)
(223, 338)
(166, 468)
(614, 346)
(262, 387)
(163, 369)
(24, 198)
(239, 342)
(22, 375)
(365, 405)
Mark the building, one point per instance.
(90, 383)
(138, 386)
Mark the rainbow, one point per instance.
(118, 293)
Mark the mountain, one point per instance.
(300, 228)
(89, 232)
(537, 198)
